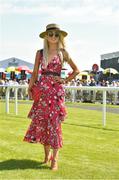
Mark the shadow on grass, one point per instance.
(13, 164)
(91, 126)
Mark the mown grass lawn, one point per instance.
(90, 151)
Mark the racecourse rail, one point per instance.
(88, 88)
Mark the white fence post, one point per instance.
(16, 102)
(73, 95)
(7, 99)
(104, 108)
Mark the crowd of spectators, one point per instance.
(22, 92)
(92, 82)
(92, 96)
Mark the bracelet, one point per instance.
(64, 81)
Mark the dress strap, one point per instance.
(41, 53)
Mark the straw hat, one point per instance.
(52, 27)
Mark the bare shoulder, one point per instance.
(39, 54)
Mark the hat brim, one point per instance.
(42, 35)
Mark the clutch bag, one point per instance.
(36, 92)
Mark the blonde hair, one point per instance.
(61, 45)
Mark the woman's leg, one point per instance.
(47, 153)
(54, 165)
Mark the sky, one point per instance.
(92, 26)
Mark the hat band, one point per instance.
(52, 28)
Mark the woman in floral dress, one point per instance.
(49, 111)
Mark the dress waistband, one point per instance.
(50, 73)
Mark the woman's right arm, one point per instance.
(35, 72)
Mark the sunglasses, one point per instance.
(53, 33)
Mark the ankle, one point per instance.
(54, 165)
(54, 159)
(48, 157)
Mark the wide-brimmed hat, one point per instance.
(52, 27)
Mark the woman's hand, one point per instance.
(59, 80)
(29, 93)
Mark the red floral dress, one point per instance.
(48, 113)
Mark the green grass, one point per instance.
(90, 151)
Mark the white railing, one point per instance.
(88, 88)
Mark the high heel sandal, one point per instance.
(54, 165)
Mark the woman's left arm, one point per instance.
(75, 69)
(72, 65)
